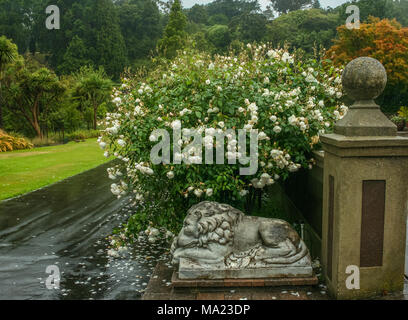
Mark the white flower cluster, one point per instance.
(114, 173)
(144, 88)
(304, 108)
(185, 111)
(265, 180)
(283, 160)
(141, 167)
(300, 122)
(198, 192)
(154, 234)
(119, 189)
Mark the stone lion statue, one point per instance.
(219, 234)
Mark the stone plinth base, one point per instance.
(258, 282)
(160, 288)
(191, 269)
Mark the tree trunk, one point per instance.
(35, 123)
(36, 112)
(94, 120)
(1, 106)
(37, 129)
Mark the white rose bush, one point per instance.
(288, 102)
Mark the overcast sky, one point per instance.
(324, 3)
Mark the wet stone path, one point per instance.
(67, 225)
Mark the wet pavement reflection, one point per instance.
(66, 225)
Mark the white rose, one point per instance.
(310, 78)
(170, 174)
(209, 192)
(262, 136)
(277, 129)
(293, 120)
(198, 193)
(243, 193)
(176, 124)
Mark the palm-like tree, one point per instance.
(93, 88)
(8, 53)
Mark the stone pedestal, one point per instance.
(365, 192)
(219, 244)
(192, 269)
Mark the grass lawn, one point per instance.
(27, 170)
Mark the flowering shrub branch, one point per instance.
(287, 100)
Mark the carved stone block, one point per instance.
(219, 242)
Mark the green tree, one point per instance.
(66, 116)
(219, 36)
(201, 43)
(399, 10)
(93, 88)
(232, 8)
(218, 18)
(90, 32)
(316, 4)
(8, 53)
(32, 93)
(140, 25)
(304, 29)
(109, 48)
(285, 6)
(383, 9)
(174, 34)
(248, 27)
(75, 57)
(18, 19)
(197, 14)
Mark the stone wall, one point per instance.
(304, 191)
(304, 200)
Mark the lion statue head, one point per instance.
(207, 223)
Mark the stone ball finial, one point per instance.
(364, 79)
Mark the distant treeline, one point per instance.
(59, 81)
(124, 33)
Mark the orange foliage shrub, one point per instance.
(385, 40)
(10, 143)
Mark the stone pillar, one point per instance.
(364, 191)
